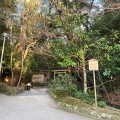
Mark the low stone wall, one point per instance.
(75, 105)
(10, 90)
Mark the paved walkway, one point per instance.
(35, 104)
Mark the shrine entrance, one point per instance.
(57, 72)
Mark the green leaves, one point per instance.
(60, 53)
(102, 103)
(81, 53)
(67, 62)
(62, 82)
(107, 72)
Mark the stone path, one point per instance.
(35, 104)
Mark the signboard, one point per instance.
(93, 65)
(38, 78)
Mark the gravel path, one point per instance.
(35, 104)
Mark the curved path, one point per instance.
(35, 104)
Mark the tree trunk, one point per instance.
(16, 76)
(84, 75)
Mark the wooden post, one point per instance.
(93, 66)
(95, 88)
(84, 75)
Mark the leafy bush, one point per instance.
(63, 82)
(77, 94)
(73, 89)
(85, 97)
(101, 103)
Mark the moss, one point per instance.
(115, 113)
(59, 93)
(75, 105)
(74, 102)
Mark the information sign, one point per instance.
(93, 65)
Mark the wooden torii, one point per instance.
(57, 72)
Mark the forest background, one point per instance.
(57, 34)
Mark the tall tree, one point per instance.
(71, 23)
(107, 23)
(6, 9)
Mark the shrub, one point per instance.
(102, 103)
(85, 97)
(73, 89)
(62, 82)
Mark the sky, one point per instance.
(97, 2)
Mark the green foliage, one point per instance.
(57, 22)
(67, 62)
(64, 52)
(7, 8)
(62, 82)
(102, 103)
(107, 46)
(73, 89)
(43, 62)
(107, 72)
(80, 54)
(106, 49)
(85, 97)
(81, 37)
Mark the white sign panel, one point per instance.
(93, 65)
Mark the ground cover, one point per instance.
(76, 105)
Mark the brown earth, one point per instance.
(113, 97)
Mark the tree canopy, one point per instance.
(62, 34)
